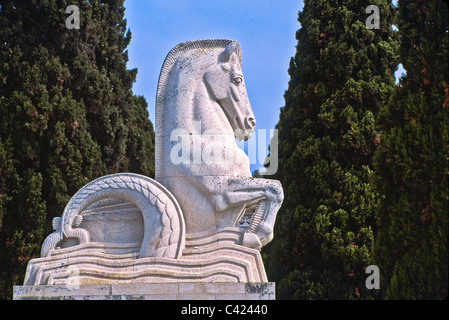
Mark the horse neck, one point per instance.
(188, 102)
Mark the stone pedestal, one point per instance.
(149, 291)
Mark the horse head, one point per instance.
(226, 86)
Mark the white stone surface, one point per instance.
(150, 291)
(163, 221)
(207, 257)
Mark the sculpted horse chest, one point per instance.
(201, 108)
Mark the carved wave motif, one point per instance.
(206, 258)
(163, 219)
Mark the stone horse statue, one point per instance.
(204, 218)
(203, 181)
(201, 107)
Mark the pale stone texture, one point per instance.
(193, 233)
(150, 291)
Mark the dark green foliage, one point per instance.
(67, 116)
(412, 163)
(342, 73)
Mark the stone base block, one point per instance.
(149, 291)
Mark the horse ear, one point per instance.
(232, 48)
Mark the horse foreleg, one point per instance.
(250, 238)
(260, 230)
(269, 195)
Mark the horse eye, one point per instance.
(237, 80)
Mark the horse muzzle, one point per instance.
(245, 128)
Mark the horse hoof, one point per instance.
(251, 240)
(265, 228)
(267, 239)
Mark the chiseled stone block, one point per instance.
(150, 291)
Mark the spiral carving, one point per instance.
(154, 201)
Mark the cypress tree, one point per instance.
(411, 249)
(341, 74)
(68, 116)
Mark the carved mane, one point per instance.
(169, 61)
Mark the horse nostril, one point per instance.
(252, 122)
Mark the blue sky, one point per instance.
(265, 30)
